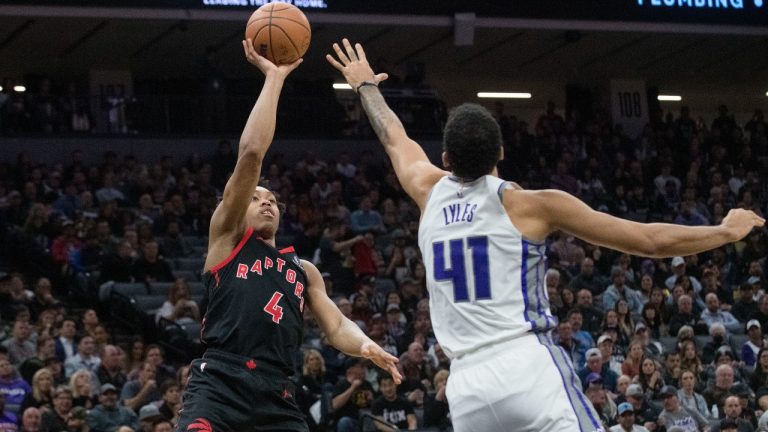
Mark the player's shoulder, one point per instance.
(534, 200)
(310, 269)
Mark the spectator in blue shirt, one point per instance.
(366, 219)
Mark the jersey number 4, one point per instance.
(457, 273)
(276, 311)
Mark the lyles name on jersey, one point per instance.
(290, 274)
(459, 212)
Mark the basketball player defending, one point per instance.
(253, 325)
(483, 244)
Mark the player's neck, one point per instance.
(267, 238)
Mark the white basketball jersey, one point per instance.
(485, 281)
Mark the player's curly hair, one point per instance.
(472, 141)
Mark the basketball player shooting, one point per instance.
(253, 324)
(483, 242)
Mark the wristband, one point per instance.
(365, 83)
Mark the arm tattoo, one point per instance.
(379, 114)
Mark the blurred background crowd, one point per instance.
(101, 297)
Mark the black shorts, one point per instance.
(229, 393)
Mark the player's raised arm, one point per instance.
(342, 333)
(228, 222)
(413, 169)
(538, 213)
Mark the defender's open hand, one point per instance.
(353, 64)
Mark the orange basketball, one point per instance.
(280, 32)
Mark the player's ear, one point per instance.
(501, 152)
(446, 163)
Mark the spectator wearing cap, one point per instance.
(108, 415)
(645, 413)
(679, 270)
(619, 290)
(746, 307)
(605, 345)
(651, 348)
(595, 363)
(753, 345)
(56, 419)
(675, 414)
(733, 415)
(597, 396)
(713, 314)
(149, 415)
(77, 420)
(625, 418)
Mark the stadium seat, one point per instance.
(384, 285)
(737, 341)
(669, 343)
(160, 288)
(196, 289)
(148, 304)
(192, 330)
(187, 275)
(190, 264)
(130, 289)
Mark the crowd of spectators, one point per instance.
(656, 343)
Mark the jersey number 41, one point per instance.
(457, 273)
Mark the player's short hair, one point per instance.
(471, 141)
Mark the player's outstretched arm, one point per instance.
(227, 224)
(342, 333)
(542, 212)
(413, 169)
